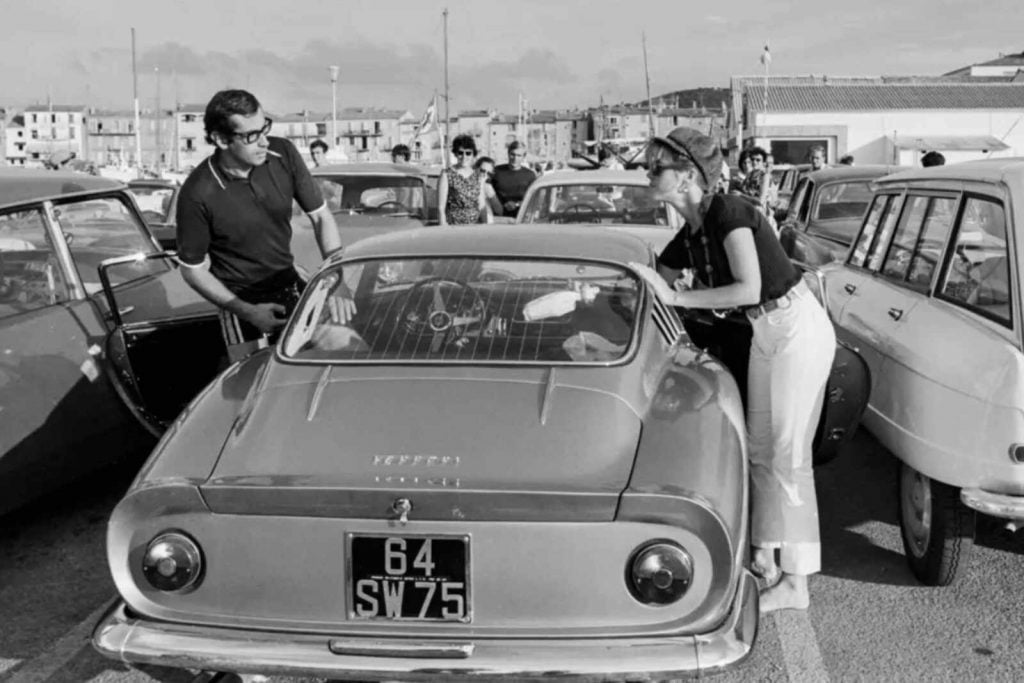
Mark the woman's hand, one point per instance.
(655, 281)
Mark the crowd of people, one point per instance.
(233, 243)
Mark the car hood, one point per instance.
(458, 447)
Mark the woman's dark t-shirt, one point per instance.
(704, 251)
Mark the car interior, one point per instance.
(591, 203)
(462, 309)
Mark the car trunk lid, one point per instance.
(456, 447)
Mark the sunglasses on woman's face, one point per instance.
(465, 153)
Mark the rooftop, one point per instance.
(885, 96)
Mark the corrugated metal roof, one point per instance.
(945, 143)
(806, 98)
(75, 108)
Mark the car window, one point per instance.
(879, 208)
(842, 200)
(103, 228)
(897, 261)
(369, 194)
(30, 274)
(805, 205)
(796, 204)
(885, 230)
(154, 202)
(938, 223)
(594, 203)
(469, 309)
(978, 273)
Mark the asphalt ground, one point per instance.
(869, 620)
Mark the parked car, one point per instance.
(609, 198)
(158, 202)
(826, 212)
(785, 178)
(930, 294)
(62, 372)
(368, 199)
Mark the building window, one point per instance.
(71, 133)
(321, 129)
(189, 146)
(35, 118)
(131, 127)
(53, 132)
(35, 134)
(99, 126)
(376, 127)
(189, 118)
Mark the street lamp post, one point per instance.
(334, 105)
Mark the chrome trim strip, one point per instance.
(549, 391)
(321, 384)
(354, 647)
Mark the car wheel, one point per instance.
(937, 529)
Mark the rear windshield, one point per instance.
(592, 203)
(467, 310)
(389, 195)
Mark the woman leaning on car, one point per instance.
(739, 263)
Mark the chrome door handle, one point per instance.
(895, 313)
(850, 289)
(122, 311)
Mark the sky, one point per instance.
(559, 54)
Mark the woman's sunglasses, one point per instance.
(465, 153)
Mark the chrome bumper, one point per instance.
(139, 641)
(1000, 505)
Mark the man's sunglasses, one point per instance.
(250, 136)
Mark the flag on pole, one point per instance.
(766, 56)
(428, 122)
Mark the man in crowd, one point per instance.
(933, 158)
(846, 160)
(234, 228)
(511, 180)
(400, 154)
(817, 157)
(318, 152)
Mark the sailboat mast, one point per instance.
(447, 118)
(652, 130)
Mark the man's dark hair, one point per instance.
(318, 143)
(758, 151)
(516, 144)
(933, 158)
(481, 161)
(401, 151)
(846, 160)
(223, 106)
(464, 142)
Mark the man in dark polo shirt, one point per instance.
(234, 230)
(511, 180)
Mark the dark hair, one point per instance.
(754, 151)
(515, 144)
(401, 151)
(744, 155)
(318, 143)
(464, 142)
(698, 152)
(222, 107)
(816, 148)
(481, 161)
(933, 158)
(846, 160)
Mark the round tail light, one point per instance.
(659, 573)
(173, 562)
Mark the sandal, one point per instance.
(770, 578)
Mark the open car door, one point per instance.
(165, 344)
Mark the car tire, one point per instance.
(937, 529)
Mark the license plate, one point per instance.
(412, 578)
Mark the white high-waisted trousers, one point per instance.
(790, 360)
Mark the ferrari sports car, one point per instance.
(509, 462)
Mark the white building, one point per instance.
(15, 141)
(55, 130)
(881, 122)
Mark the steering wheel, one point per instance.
(575, 208)
(443, 308)
(391, 207)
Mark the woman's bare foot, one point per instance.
(763, 564)
(790, 593)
